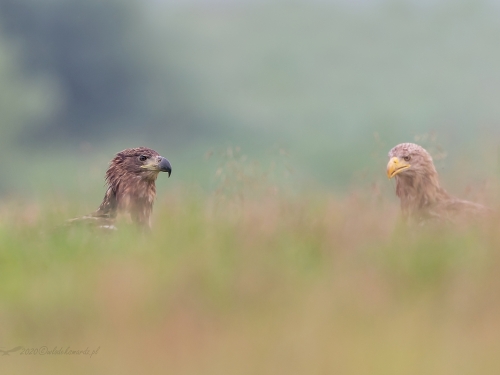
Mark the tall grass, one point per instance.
(273, 282)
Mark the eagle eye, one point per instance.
(143, 158)
(407, 158)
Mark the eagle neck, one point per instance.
(419, 192)
(135, 195)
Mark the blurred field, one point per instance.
(251, 279)
(283, 257)
(319, 78)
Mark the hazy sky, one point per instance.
(353, 2)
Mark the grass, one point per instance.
(295, 283)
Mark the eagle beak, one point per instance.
(164, 166)
(396, 166)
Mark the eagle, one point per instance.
(131, 189)
(423, 200)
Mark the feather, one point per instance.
(422, 198)
(131, 188)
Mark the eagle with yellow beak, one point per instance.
(131, 188)
(422, 198)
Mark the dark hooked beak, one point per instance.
(164, 166)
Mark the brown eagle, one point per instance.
(422, 198)
(131, 189)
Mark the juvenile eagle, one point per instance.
(423, 200)
(131, 189)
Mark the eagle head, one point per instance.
(131, 187)
(408, 161)
(141, 162)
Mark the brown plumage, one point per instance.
(422, 198)
(131, 189)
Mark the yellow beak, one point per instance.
(396, 166)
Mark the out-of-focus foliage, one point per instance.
(254, 284)
(92, 52)
(319, 79)
(262, 275)
(322, 79)
(23, 101)
(101, 59)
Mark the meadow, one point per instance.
(251, 278)
(290, 260)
